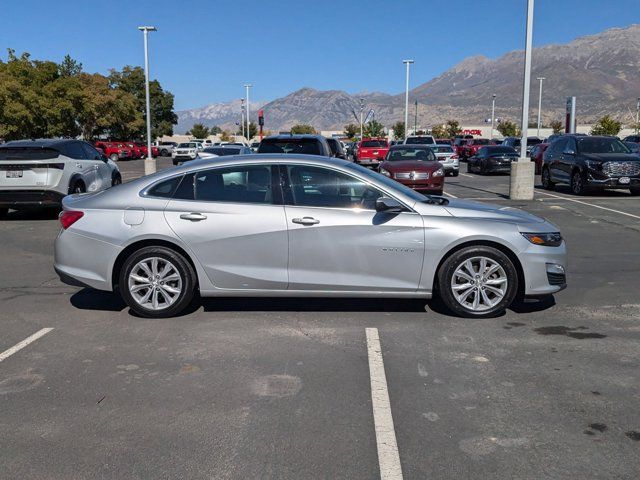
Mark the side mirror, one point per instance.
(388, 205)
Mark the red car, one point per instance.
(459, 143)
(135, 149)
(371, 151)
(414, 166)
(537, 152)
(114, 150)
(472, 146)
(143, 150)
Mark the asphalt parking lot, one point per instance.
(282, 388)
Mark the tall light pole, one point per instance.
(361, 118)
(242, 116)
(149, 162)
(522, 171)
(248, 86)
(541, 79)
(415, 120)
(406, 100)
(638, 115)
(493, 112)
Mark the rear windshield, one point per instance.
(17, 153)
(222, 151)
(601, 145)
(501, 150)
(533, 141)
(305, 146)
(418, 140)
(373, 143)
(442, 149)
(482, 141)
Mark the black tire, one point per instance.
(455, 173)
(114, 157)
(4, 212)
(469, 168)
(445, 275)
(578, 185)
(183, 267)
(546, 179)
(77, 187)
(116, 179)
(164, 152)
(635, 191)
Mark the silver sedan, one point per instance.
(275, 225)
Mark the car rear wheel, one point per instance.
(116, 180)
(477, 281)
(157, 282)
(578, 186)
(78, 187)
(634, 191)
(546, 180)
(113, 157)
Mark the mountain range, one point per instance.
(602, 71)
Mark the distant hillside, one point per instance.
(601, 70)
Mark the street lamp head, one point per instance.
(542, 78)
(493, 96)
(148, 28)
(247, 85)
(407, 61)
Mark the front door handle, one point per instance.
(306, 221)
(194, 217)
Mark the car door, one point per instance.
(568, 158)
(103, 171)
(556, 158)
(83, 167)
(233, 220)
(337, 240)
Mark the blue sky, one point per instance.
(204, 51)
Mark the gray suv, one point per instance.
(39, 173)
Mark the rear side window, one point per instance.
(164, 189)
(90, 152)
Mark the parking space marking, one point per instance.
(591, 205)
(449, 195)
(465, 175)
(388, 456)
(19, 346)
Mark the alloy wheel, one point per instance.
(155, 283)
(479, 283)
(576, 184)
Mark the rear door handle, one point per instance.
(306, 221)
(194, 217)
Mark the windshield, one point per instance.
(305, 146)
(411, 153)
(418, 140)
(482, 141)
(187, 145)
(601, 145)
(373, 143)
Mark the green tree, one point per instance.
(215, 130)
(556, 126)
(606, 126)
(508, 128)
(398, 130)
(439, 131)
(452, 128)
(253, 130)
(225, 136)
(351, 130)
(198, 130)
(373, 129)
(302, 128)
(69, 67)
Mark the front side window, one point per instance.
(90, 152)
(322, 187)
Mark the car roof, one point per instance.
(41, 142)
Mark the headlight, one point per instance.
(593, 164)
(545, 239)
(438, 173)
(384, 172)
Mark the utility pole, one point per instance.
(638, 115)
(493, 113)
(415, 120)
(361, 118)
(406, 100)
(149, 162)
(522, 171)
(540, 104)
(242, 116)
(248, 131)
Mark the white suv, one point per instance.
(186, 151)
(420, 140)
(39, 173)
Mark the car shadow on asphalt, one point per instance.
(90, 299)
(476, 189)
(24, 215)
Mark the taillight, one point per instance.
(69, 217)
(454, 157)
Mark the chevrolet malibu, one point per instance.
(285, 225)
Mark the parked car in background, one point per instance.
(444, 141)
(224, 151)
(114, 150)
(633, 146)
(143, 150)
(632, 138)
(515, 142)
(447, 156)
(136, 152)
(415, 166)
(472, 146)
(295, 144)
(185, 152)
(351, 149)
(326, 227)
(536, 155)
(165, 149)
(419, 140)
(371, 151)
(336, 148)
(254, 146)
(39, 173)
(492, 159)
(459, 143)
(587, 163)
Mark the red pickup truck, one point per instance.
(470, 148)
(114, 150)
(371, 151)
(143, 150)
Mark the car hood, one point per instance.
(410, 165)
(611, 157)
(468, 209)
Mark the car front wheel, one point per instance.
(477, 282)
(157, 282)
(578, 186)
(546, 179)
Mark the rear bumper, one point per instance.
(30, 198)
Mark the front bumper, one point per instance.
(613, 182)
(432, 185)
(544, 269)
(30, 198)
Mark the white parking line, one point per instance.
(388, 456)
(590, 205)
(19, 346)
(466, 175)
(449, 195)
